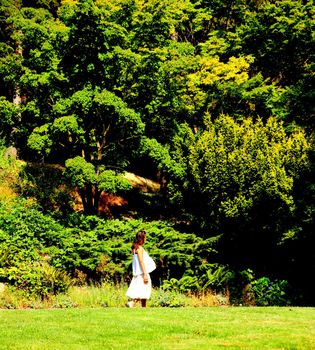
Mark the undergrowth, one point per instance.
(105, 295)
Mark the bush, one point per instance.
(38, 255)
(183, 285)
(37, 279)
(270, 293)
(164, 298)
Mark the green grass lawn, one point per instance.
(159, 328)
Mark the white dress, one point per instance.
(138, 289)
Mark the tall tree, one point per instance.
(237, 179)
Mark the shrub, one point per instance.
(216, 277)
(268, 293)
(183, 285)
(37, 279)
(165, 298)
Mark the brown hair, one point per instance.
(139, 240)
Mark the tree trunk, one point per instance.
(82, 195)
(97, 196)
(89, 200)
(90, 210)
(17, 99)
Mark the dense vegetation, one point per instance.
(212, 100)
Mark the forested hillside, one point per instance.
(192, 119)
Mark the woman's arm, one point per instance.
(141, 261)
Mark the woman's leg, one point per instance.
(143, 302)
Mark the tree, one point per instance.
(231, 166)
(237, 179)
(86, 119)
(99, 127)
(280, 38)
(29, 68)
(88, 54)
(91, 183)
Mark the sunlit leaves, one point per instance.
(232, 166)
(110, 182)
(40, 141)
(80, 172)
(9, 114)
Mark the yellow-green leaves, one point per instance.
(232, 166)
(212, 70)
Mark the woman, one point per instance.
(142, 265)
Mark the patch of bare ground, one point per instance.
(142, 183)
(111, 202)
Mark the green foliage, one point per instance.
(280, 37)
(211, 276)
(161, 157)
(9, 114)
(46, 184)
(39, 140)
(98, 248)
(40, 279)
(270, 293)
(183, 89)
(10, 166)
(25, 226)
(217, 277)
(80, 172)
(184, 285)
(231, 166)
(110, 182)
(164, 298)
(90, 183)
(112, 133)
(25, 239)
